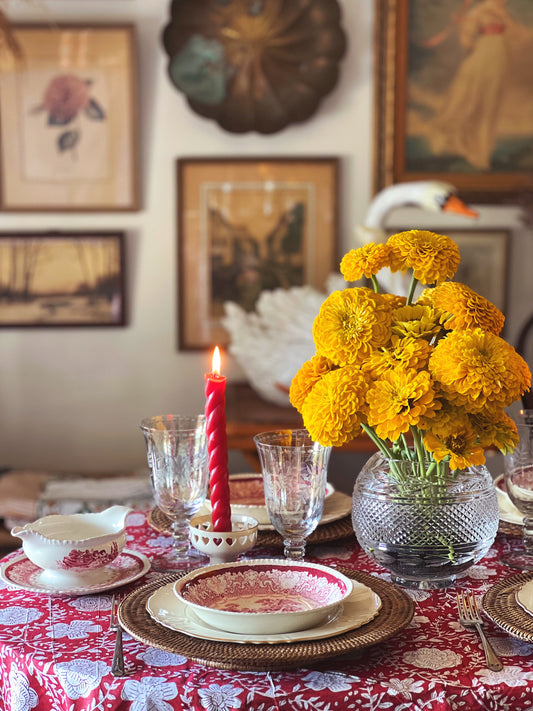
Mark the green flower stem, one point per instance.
(419, 449)
(375, 283)
(407, 449)
(380, 444)
(412, 288)
(433, 467)
(420, 478)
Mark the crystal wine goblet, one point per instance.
(177, 456)
(294, 475)
(518, 475)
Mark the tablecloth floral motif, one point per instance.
(55, 655)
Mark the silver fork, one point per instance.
(469, 616)
(117, 665)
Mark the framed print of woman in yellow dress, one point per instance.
(455, 97)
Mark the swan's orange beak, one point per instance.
(453, 204)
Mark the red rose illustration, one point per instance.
(65, 96)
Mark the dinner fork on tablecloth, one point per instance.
(469, 616)
(117, 665)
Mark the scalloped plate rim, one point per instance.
(340, 622)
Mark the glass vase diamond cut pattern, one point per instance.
(425, 533)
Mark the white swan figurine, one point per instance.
(271, 342)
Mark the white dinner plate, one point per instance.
(127, 567)
(524, 597)
(336, 505)
(508, 511)
(360, 607)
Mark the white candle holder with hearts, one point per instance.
(223, 546)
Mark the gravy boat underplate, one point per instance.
(75, 546)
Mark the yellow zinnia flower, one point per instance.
(436, 368)
(393, 301)
(495, 429)
(477, 369)
(460, 445)
(306, 378)
(426, 297)
(350, 324)
(464, 308)
(450, 417)
(408, 352)
(415, 321)
(335, 407)
(432, 257)
(367, 261)
(398, 400)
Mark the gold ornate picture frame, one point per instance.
(454, 96)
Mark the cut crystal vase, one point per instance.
(426, 532)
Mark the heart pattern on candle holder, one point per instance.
(225, 547)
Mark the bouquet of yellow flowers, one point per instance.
(426, 379)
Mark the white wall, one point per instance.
(72, 399)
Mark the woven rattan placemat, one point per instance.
(333, 531)
(395, 614)
(324, 533)
(510, 529)
(500, 604)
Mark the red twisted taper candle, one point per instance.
(217, 448)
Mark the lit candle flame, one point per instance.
(216, 361)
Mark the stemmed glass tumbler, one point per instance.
(177, 456)
(294, 475)
(518, 475)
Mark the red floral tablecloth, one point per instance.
(55, 654)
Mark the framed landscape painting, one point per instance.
(246, 225)
(62, 279)
(68, 119)
(454, 95)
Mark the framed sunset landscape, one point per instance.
(62, 279)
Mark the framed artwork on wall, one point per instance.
(62, 279)
(246, 225)
(484, 262)
(454, 95)
(68, 120)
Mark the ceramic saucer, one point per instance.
(127, 567)
(362, 605)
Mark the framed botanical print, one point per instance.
(68, 119)
(62, 279)
(454, 95)
(246, 225)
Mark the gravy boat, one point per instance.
(68, 546)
